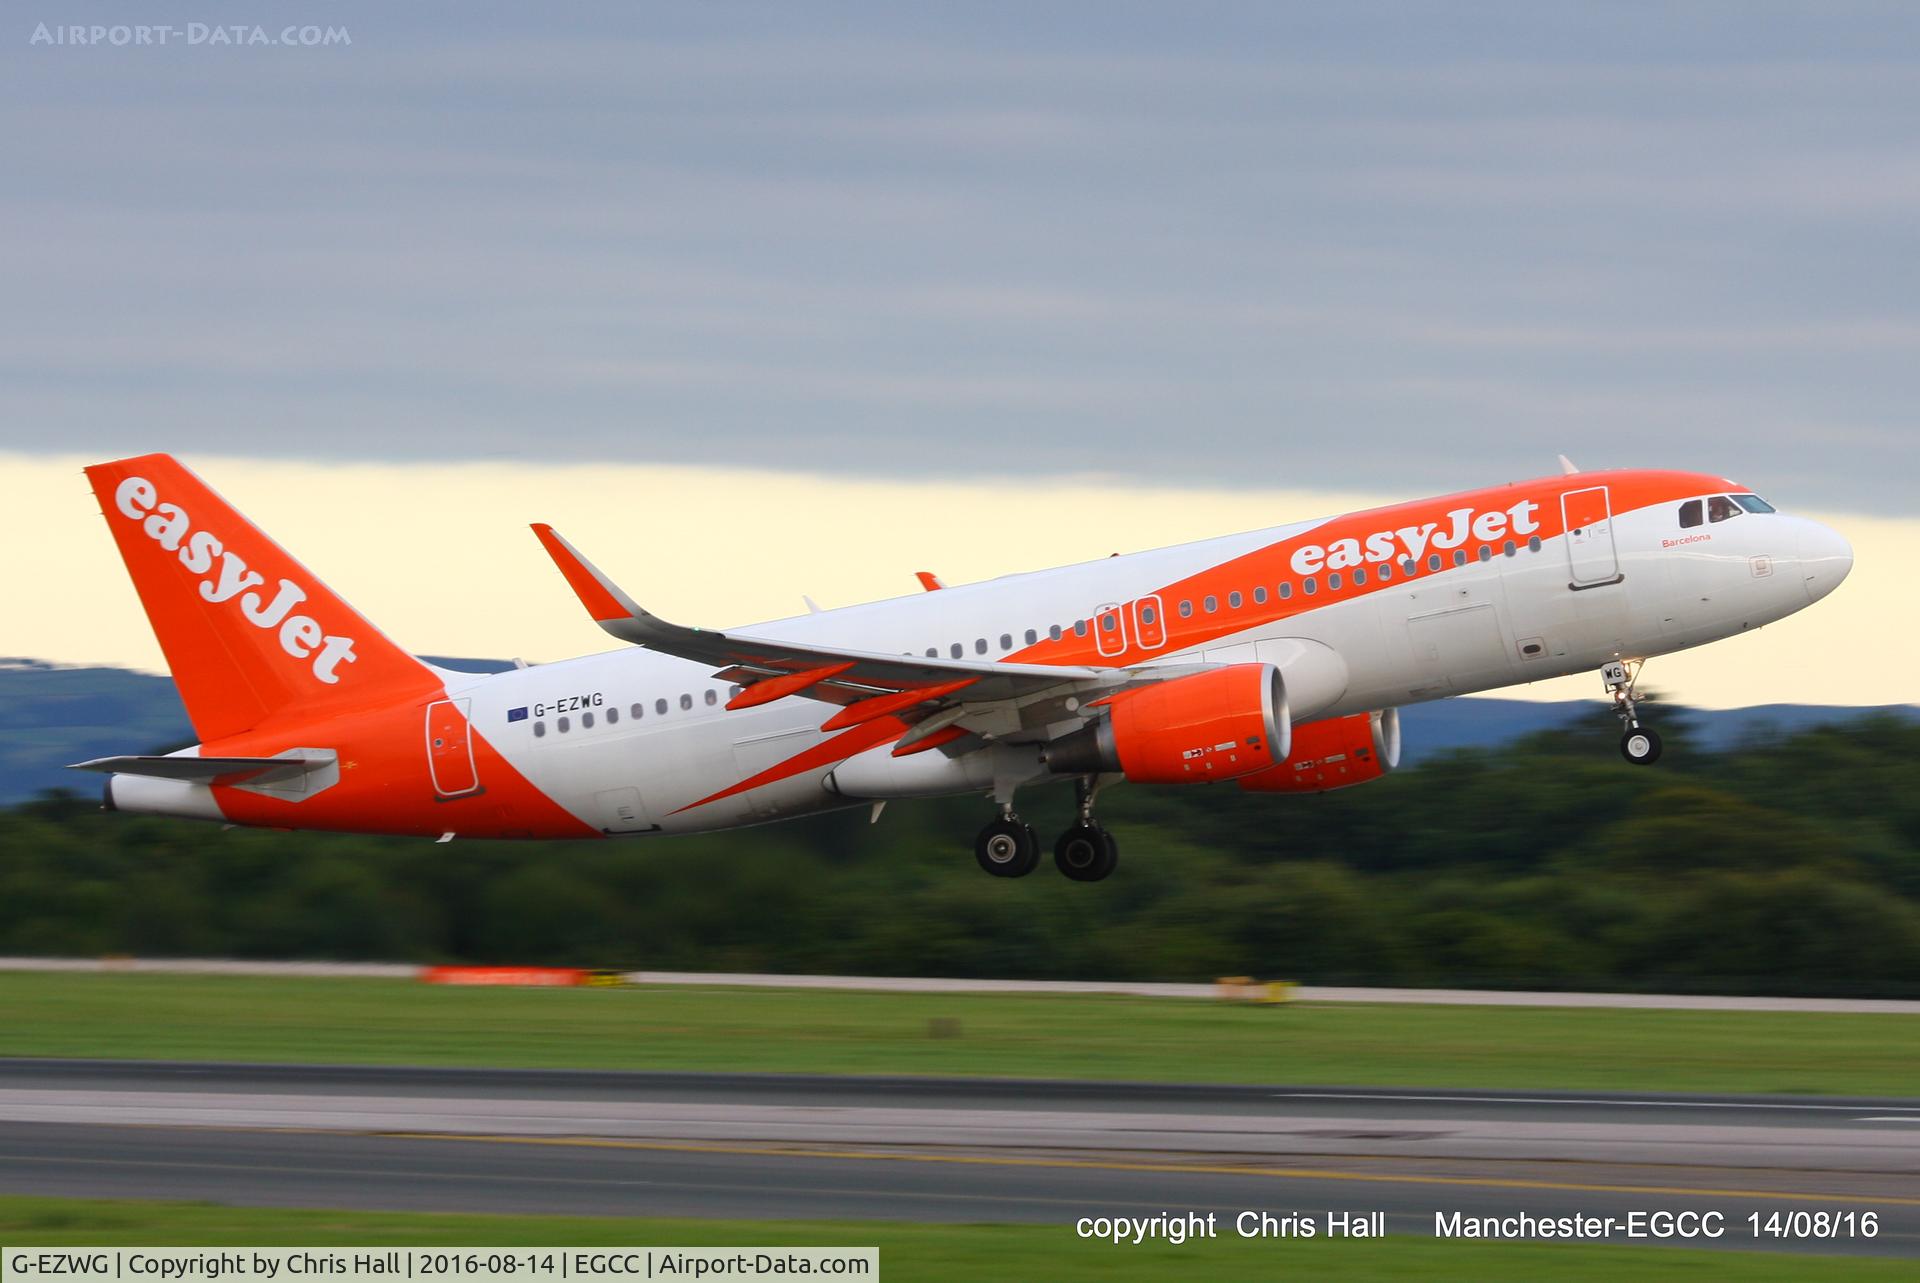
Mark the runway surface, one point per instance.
(782, 1147)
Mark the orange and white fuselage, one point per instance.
(1272, 659)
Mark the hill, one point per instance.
(52, 715)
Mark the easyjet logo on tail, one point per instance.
(1487, 526)
(225, 577)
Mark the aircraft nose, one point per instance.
(1825, 558)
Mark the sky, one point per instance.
(1027, 280)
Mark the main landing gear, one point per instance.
(1086, 852)
(1639, 744)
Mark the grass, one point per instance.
(400, 1022)
(907, 1252)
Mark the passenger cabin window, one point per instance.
(586, 721)
(1032, 636)
(1433, 561)
(1333, 582)
(613, 717)
(660, 707)
(1753, 503)
(979, 645)
(1234, 599)
(1260, 595)
(1186, 609)
(1210, 604)
(957, 650)
(563, 724)
(1360, 577)
(1006, 641)
(1691, 513)
(710, 698)
(1055, 632)
(1079, 628)
(637, 711)
(1286, 591)
(686, 702)
(1310, 587)
(1148, 614)
(1721, 508)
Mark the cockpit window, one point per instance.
(1720, 508)
(1691, 513)
(1753, 503)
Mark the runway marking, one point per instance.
(1598, 1100)
(1202, 1169)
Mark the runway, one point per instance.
(954, 1150)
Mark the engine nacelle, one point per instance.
(1334, 754)
(1217, 725)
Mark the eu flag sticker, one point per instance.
(517, 714)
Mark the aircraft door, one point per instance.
(1110, 629)
(1149, 625)
(1591, 556)
(450, 749)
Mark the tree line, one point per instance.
(1789, 865)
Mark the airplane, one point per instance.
(1273, 661)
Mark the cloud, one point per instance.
(1370, 246)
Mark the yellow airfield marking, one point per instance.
(1205, 1169)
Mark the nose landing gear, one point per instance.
(1639, 744)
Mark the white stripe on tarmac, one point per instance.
(1617, 1103)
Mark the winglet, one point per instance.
(603, 600)
(929, 580)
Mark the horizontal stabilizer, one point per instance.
(210, 770)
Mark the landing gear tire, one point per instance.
(1640, 746)
(1086, 852)
(1007, 848)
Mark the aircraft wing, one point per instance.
(838, 675)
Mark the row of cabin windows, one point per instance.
(636, 711)
(1721, 507)
(1235, 600)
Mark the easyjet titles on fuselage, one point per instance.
(1411, 541)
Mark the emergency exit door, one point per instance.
(450, 749)
(1588, 517)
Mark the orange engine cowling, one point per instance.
(1334, 754)
(1215, 725)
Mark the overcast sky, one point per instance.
(1388, 248)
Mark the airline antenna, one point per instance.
(1567, 466)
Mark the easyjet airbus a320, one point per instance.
(1271, 661)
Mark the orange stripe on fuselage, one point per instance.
(826, 753)
(1272, 565)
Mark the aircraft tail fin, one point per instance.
(247, 630)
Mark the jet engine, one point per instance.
(1334, 754)
(1215, 725)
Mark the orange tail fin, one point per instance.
(246, 629)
